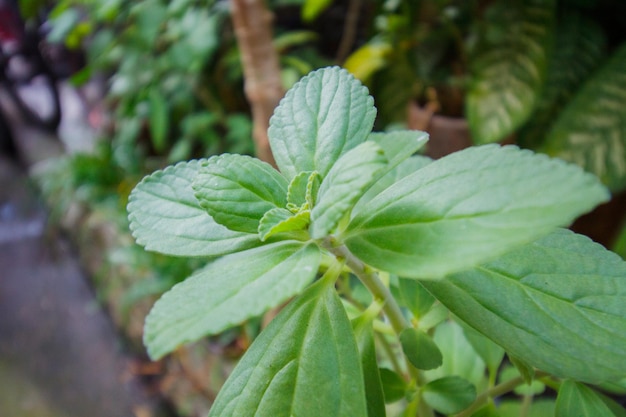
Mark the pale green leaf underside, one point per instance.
(508, 75)
(324, 115)
(165, 217)
(228, 291)
(467, 208)
(305, 364)
(344, 184)
(591, 131)
(237, 190)
(558, 304)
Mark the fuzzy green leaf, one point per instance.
(399, 144)
(237, 190)
(165, 217)
(420, 349)
(323, 116)
(576, 399)
(557, 304)
(305, 363)
(467, 208)
(591, 131)
(303, 189)
(344, 184)
(406, 167)
(449, 394)
(509, 70)
(228, 291)
(279, 220)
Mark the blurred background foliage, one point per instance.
(549, 75)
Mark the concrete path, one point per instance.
(59, 354)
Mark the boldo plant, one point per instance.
(406, 279)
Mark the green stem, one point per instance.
(496, 391)
(370, 279)
(372, 282)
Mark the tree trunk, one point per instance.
(253, 28)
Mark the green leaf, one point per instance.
(279, 220)
(303, 189)
(509, 70)
(468, 208)
(344, 184)
(165, 217)
(227, 292)
(323, 116)
(459, 358)
(364, 334)
(415, 297)
(579, 47)
(488, 351)
(305, 363)
(312, 9)
(556, 304)
(399, 144)
(420, 349)
(591, 131)
(159, 119)
(237, 190)
(394, 387)
(576, 399)
(368, 59)
(406, 167)
(449, 395)
(525, 370)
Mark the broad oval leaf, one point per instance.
(228, 291)
(449, 394)
(321, 117)
(558, 304)
(345, 183)
(305, 363)
(420, 349)
(591, 131)
(237, 190)
(467, 208)
(508, 73)
(165, 217)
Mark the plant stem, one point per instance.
(371, 281)
(496, 391)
